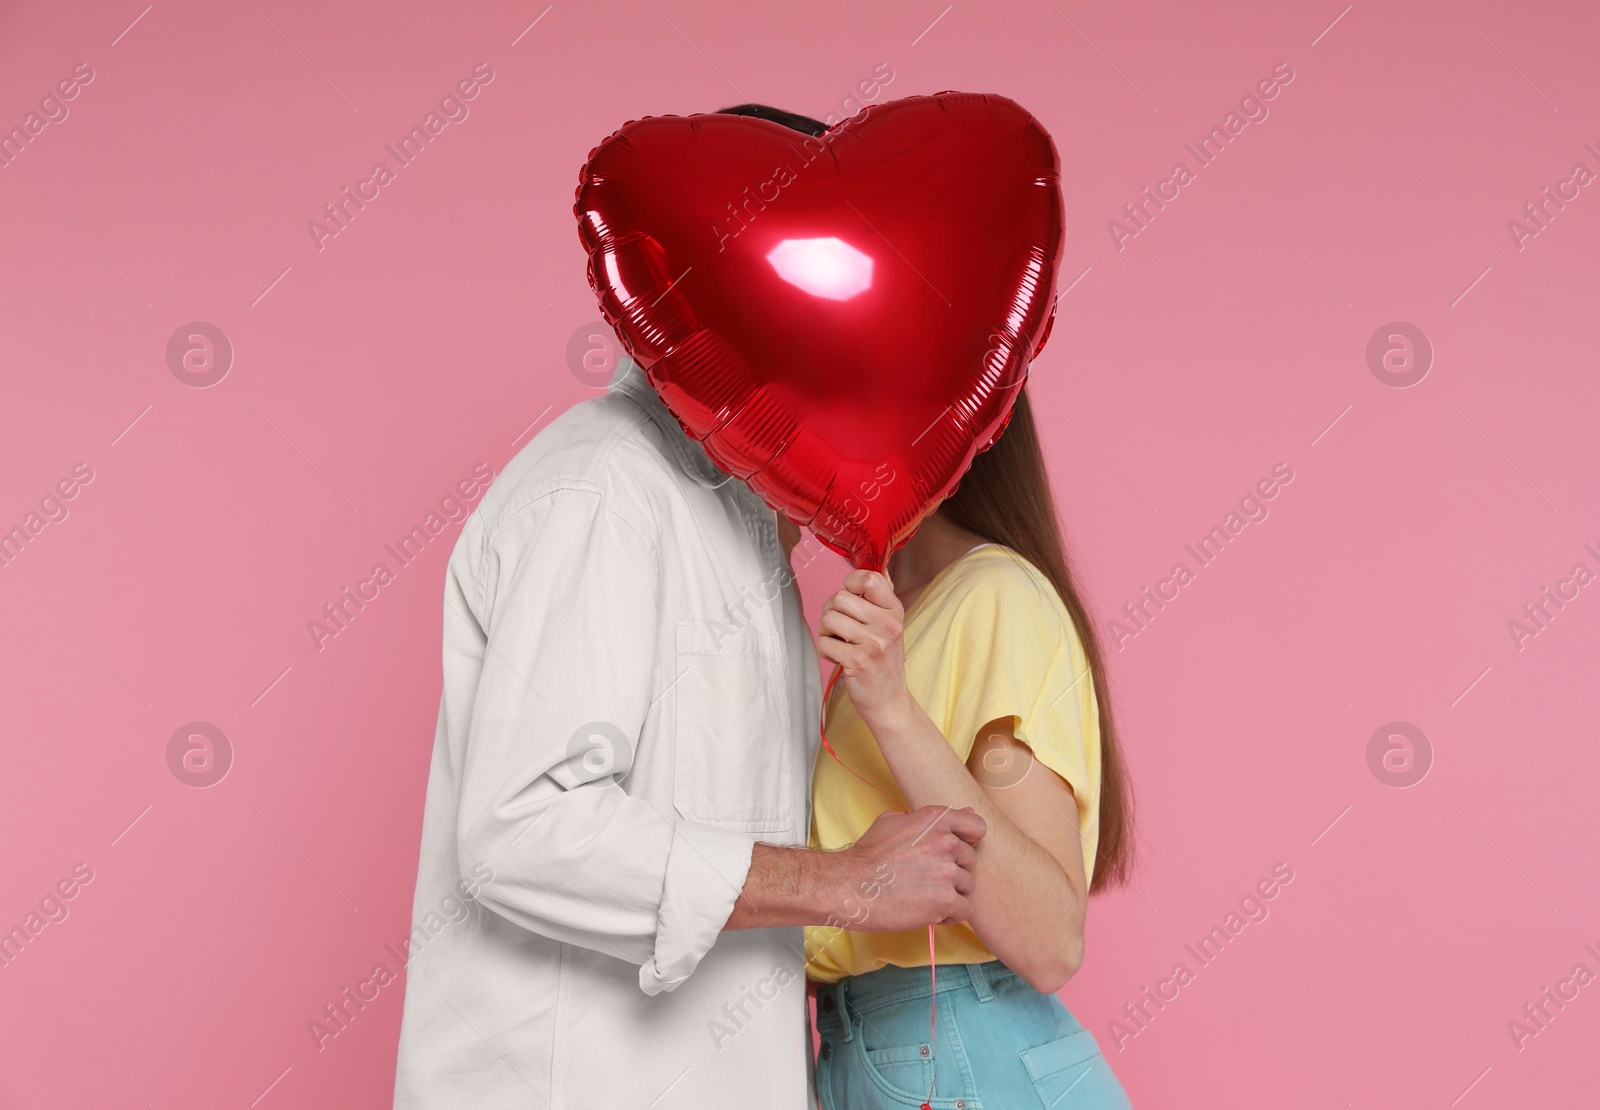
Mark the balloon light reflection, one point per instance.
(828, 268)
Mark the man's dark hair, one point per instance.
(791, 120)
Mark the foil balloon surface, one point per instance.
(842, 321)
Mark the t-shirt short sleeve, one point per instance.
(1004, 646)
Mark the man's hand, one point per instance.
(907, 871)
(910, 870)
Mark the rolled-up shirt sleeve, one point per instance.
(569, 609)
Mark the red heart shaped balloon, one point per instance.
(842, 321)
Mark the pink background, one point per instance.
(428, 337)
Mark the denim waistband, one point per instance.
(896, 984)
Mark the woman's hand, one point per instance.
(861, 628)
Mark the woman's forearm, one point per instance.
(1025, 906)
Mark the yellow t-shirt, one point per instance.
(986, 639)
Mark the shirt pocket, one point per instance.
(735, 763)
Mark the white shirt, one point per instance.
(630, 703)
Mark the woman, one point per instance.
(972, 677)
(996, 700)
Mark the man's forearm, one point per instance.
(788, 886)
(906, 871)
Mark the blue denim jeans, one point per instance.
(999, 1044)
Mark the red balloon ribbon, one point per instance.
(933, 959)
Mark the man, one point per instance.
(618, 789)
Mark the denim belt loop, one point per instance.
(846, 1019)
(980, 982)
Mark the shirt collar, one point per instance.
(690, 455)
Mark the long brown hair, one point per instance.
(1005, 498)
